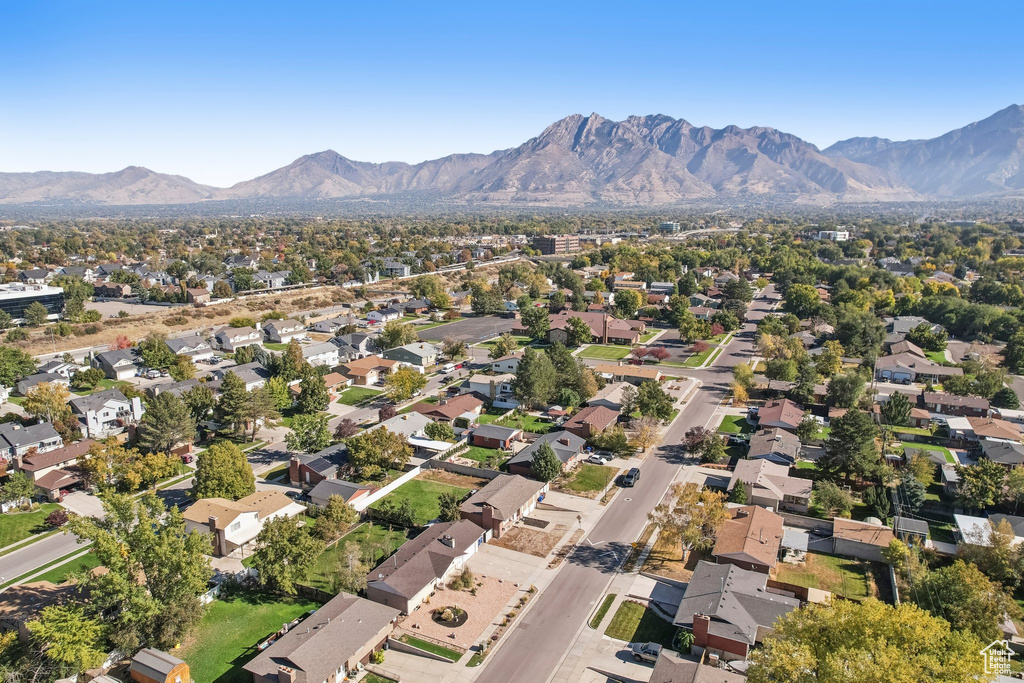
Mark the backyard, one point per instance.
(635, 623)
(17, 526)
(376, 542)
(354, 396)
(228, 633)
(843, 576)
(599, 352)
(424, 496)
(735, 424)
(485, 455)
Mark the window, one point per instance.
(236, 526)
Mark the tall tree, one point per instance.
(535, 380)
(896, 411)
(36, 314)
(166, 423)
(155, 352)
(314, 396)
(259, 409)
(371, 453)
(334, 519)
(285, 554)
(967, 599)
(692, 515)
(309, 433)
(200, 401)
(577, 332)
(48, 401)
(845, 389)
(401, 385)
(652, 401)
(156, 571)
(233, 402)
(545, 464)
(222, 471)
(503, 346)
(851, 448)
(69, 638)
(395, 333)
(981, 485)
(536, 321)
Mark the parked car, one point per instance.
(449, 367)
(153, 374)
(645, 652)
(630, 478)
(187, 458)
(596, 459)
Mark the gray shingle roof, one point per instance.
(425, 558)
(505, 493)
(564, 451)
(96, 401)
(27, 436)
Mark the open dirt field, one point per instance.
(531, 541)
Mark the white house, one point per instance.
(507, 364)
(384, 315)
(283, 331)
(234, 524)
(120, 364)
(324, 353)
(195, 347)
(231, 339)
(491, 386)
(106, 412)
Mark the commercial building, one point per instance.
(16, 297)
(556, 244)
(668, 228)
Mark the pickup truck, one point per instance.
(645, 652)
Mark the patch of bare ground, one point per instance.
(531, 541)
(453, 479)
(665, 559)
(564, 551)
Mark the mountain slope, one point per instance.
(132, 185)
(983, 158)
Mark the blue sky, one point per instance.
(222, 92)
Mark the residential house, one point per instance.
(321, 354)
(604, 327)
(502, 502)
(634, 374)
(105, 413)
(396, 269)
(23, 603)
(610, 396)
(409, 425)
(176, 388)
(231, 339)
(863, 540)
(349, 491)
(332, 325)
(416, 306)
(492, 387)
(193, 346)
(769, 485)
(156, 666)
(907, 367)
(242, 261)
(271, 279)
(730, 609)
(905, 323)
(17, 441)
(235, 524)
(663, 288)
(904, 346)
(589, 422)
(782, 414)
(699, 300)
(253, 375)
(353, 346)
(309, 469)
(1009, 454)
(950, 404)
(112, 290)
(198, 296)
(369, 370)
(120, 364)
(447, 409)
(420, 355)
(495, 436)
(384, 315)
(776, 445)
(568, 448)
(982, 428)
(335, 382)
(408, 577)
(34, 276)
(336, 639)
(59, 367)
(84, 272)
(283, 331)
(52, 471)
(26, 384)
(507, 364)
(670, 668)
(750, 539)
(702, 312)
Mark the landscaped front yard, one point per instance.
(735, 424)
(424, 496)
(589, 479)
(375, 541)
(843, 576)
(17, 526)
(600, 352)
(63, 572)
(635, 623)
(229, 631)
(665, 559)
(354, 396)
(698, 359)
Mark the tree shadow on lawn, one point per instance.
(236, 674)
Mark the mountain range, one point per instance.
(588, 160)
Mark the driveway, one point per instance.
(84, 504)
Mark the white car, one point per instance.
(597, 459)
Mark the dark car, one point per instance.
(630, 478)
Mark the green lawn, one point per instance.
(605, 352)
(912, 430)
(589, 477)
(491, 415)
(453, 655)
(374, 678)
(718, 338)
(528, 423)
(697, 359)
(840, 575)
(17, 526)
(648, 336)
(354, 396)
(941, 532)
(735, 424)
(806, 465)
(606, 604)
(424, 495)
(60, 574)
(936, 356)
(635, 623)
(271, 346)
(229, 631)
(946, 453)
(480, 454)
(279, 472)
(522, 340)
(375, 541)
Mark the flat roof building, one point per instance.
(16, 297)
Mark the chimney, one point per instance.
(285, 674)
(564, 441)
(701, 623)
(448, 541)
(604, 329)
(293, 470)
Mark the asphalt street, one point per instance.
(545, 634)
(23, 560)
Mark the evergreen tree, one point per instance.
(535, 380)
(166, 423)
(314, 396)
(545, 464)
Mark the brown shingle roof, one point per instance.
(505, 493)
(783, 413)
(993, 428)
(598, 417)
(861, 532)
(752, 535)
(69, 453)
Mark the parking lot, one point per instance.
(471, 330)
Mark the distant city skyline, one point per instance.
(226, 92)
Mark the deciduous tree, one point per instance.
(691, 514)
(395, 333)
(371, 453)
(401, 385)
(652, 401)
(222, 471)
(285, 553)
(70, 638)
(48, 401)
(309, 433)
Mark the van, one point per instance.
(449, 367)
(631, 477)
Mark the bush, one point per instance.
(17, 334)
(242, 321)
(176, 320)
(87, 330)
(57, 518)
(377, 657)
(122, 314)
